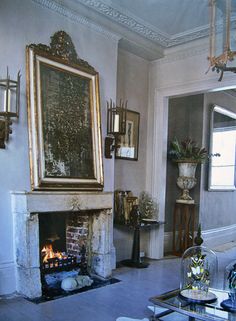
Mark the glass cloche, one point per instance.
(230, 287)
(199, 268)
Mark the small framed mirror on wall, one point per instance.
(222, 150)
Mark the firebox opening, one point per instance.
(64, 247)
(52, 231)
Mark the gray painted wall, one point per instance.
(132, 85)
(184, 120)
(191, 116)
(217, 208)
(23, 22)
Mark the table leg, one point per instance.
(135, 258)
(174, 230)
(181, 240)
(186, 227)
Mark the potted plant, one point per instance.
(187, 151)
(187, 154)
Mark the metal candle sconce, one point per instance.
(116, 125)
(9, 105)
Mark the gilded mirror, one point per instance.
(64, 118)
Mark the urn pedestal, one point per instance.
(186, 180)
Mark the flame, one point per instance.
(48, 253)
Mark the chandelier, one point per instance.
(221, 57)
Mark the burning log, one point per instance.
(56, 260)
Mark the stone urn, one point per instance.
(186, 180)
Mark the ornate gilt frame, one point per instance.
(64, 118)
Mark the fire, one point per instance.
(48, 253)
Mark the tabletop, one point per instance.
(172, 302)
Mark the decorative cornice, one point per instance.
(182, 54)
(128, 20)
(187, 36)
(77, 18)
(135, 24)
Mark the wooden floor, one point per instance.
(127, 298)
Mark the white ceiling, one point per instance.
(167, 17)
(147, 27)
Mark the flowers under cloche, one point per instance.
(198, 273)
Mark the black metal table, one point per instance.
(136, 260)
(173, 303)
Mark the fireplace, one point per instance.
(64, 241)
(74, 225)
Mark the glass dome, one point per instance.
(199, 268)
(230, 287)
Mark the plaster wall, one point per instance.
(132, 85)
(23, 22)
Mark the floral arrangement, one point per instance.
(198, 275)
(187, 150)
(147, 206)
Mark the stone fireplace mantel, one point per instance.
(26, 206)
(35, 202)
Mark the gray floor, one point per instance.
(126, 298)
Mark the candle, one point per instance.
(116, 123)
(7, 104)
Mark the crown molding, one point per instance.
(135, 24)
(132, 33)
(75, 17)
(183, 52)
(128, 20)
(190, 35)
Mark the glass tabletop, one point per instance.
(172, 301)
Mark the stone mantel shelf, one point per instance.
(47, 201)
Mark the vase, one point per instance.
(186, 180)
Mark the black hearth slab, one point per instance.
(55, 293)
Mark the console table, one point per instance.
(136, 260)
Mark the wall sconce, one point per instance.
(116, 125)
(9, 105)
(220, 36)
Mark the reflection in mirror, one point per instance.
(222, 150)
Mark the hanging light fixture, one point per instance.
(9, 105)
(220, 36)
(116, 125)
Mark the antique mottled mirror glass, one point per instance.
(222, 150)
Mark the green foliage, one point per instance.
(187, 150)
(198, 275)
